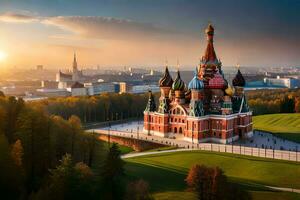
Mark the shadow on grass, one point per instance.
(159, 179)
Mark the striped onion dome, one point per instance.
(178, 84)
(217, 82)
(166, 80)
(196, 83)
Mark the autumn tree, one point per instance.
(210, 183)
(138, 190)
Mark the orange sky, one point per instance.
(143, 39)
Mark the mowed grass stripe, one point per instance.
(286, 126)
(243, 169)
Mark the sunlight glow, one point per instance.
(3, 55)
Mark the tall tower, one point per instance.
(165, 84)
(211, 74)
(196, 105)
(239, 103)
(209, 62)
(75, 69)
(178, 86)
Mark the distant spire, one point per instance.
(75, 63)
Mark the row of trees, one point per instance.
(106, 107)
(274, 101)
(98, 108)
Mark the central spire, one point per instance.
(210, 54)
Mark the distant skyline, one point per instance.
(147, 32)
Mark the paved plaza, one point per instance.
(259, 139)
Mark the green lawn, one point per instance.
(286, 126)
(166, 173)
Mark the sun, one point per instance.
(3, 55)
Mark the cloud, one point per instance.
(18, 18)
(98, 27)
(107, 27)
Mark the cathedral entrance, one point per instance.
(240, 133)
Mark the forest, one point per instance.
(109, 107)
(274, 101)
(44, 156)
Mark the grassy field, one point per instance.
(166, 173)
(286, 126)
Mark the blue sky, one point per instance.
(253, 33)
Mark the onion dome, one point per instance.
(239, 80)
(229, 91)
(166, 80)
(217, 82)
(209, 30)
(196, 83)
(178, 84)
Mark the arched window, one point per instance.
(175, 130)
(180, 130)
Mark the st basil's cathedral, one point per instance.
(208, 109)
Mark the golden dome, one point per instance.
(229, 91)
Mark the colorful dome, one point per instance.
(229, 91)
(166, 80)
(178, 84)
(217, 82)
(196, 83)
(239, 80)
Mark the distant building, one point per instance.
(52, 92)
(78, 89)
(136, 89)
(282, 82)
(123, 87)
(39, 67)
(65, 79)
(100, 87)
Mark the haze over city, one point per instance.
(146, 33)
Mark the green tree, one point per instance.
(112, 173)
(67, 181)
(10, 176)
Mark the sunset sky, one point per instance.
(147, 32)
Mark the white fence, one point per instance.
(225, 148)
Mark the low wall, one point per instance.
(137, 145)
(106, 124)
(143, 141)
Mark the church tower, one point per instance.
(75, 69)
(211, 74)
(196, 105)
(178, 86)
(165, 84)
